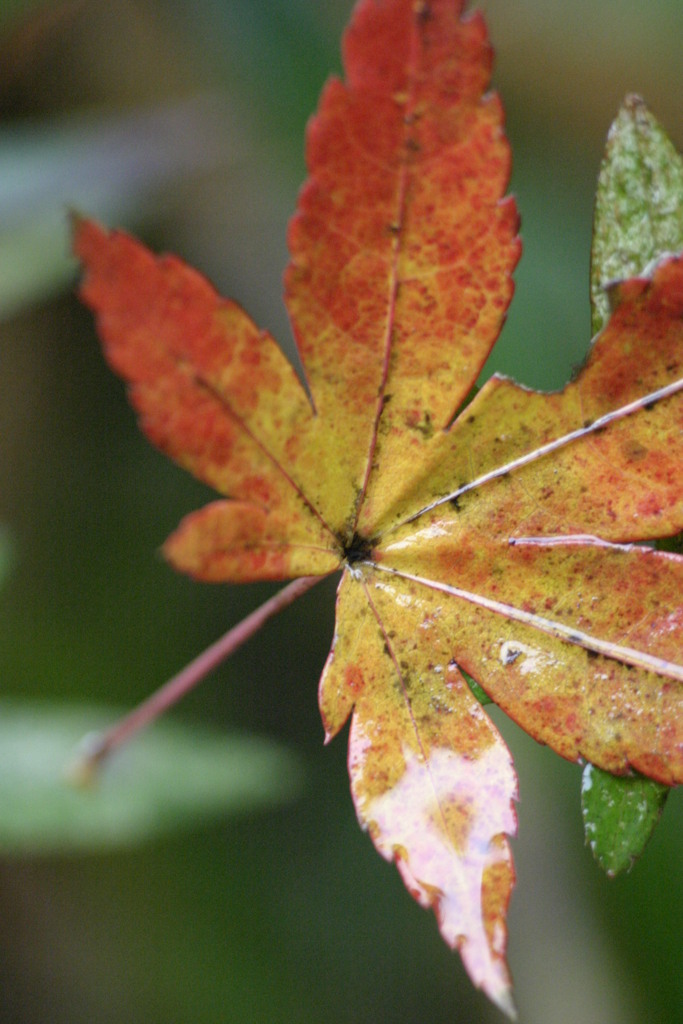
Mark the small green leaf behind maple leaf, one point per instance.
(638, 204)
(638, 218)
(619, 816)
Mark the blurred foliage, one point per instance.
(170, 777)
(7, 553)
(289, 915)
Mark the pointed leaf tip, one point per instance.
(401, 234)
(431, 777)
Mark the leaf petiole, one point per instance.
(97, 747)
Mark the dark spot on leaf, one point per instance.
(591, 653)
(425, 427)
(463, 405)
(423, 12)
(634, 451)
(456, 499)
(359, 550)
(510, 655)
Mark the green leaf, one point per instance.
(12, 8)
(619, 816)
(172, 776)
(638, 217)
(639, 203)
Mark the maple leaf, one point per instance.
(495, 539)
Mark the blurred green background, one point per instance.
(184, 122)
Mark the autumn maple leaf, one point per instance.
(494, 540)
